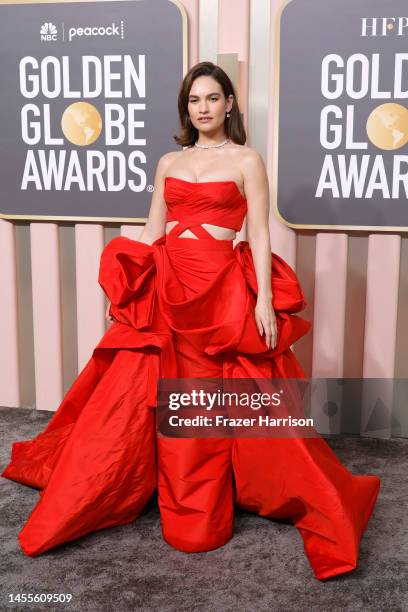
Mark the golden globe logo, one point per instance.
(387, 126)
(117, 160)
(81, 123)
(48, 32)
(348, 169)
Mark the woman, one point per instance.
(186, 304)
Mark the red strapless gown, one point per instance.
(184, 308)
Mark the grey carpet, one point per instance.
(263, 567)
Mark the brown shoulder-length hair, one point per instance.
(233, 125)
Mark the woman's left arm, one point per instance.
(257, 194)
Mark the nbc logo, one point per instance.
(48, 32)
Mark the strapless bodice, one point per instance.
(216, 202)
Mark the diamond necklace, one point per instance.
(212, 146)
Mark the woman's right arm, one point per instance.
(155, 225)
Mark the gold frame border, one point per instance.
(276, 91)
(121, 220)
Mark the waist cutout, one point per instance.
(198, 244)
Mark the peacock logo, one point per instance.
(48, 32)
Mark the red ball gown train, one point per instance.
(184, 307)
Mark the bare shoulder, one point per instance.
(251, 159)
(251, 165)
(167, 159)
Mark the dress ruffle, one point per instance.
(139, 278)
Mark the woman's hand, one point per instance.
(108, 317)
(266, 321)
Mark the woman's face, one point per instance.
(207, 100)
